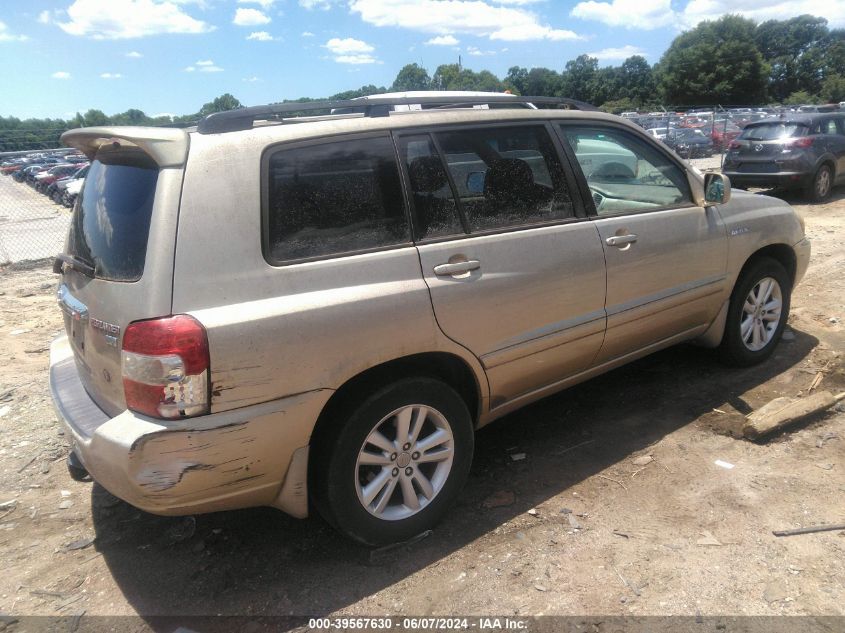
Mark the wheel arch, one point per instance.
(781, 253)
(445, 366)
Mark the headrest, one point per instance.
(427, 174)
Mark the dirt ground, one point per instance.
(618, 507)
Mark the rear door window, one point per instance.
(506, 176)
(111, 222)
(333, 198)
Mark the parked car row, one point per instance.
(721, 126)
(57, 176)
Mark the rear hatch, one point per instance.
(117, 265)
(760, 145)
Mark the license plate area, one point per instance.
(76, 313)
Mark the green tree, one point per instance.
(95, 117)
(833, 89)
(411, 77)
(363, 91)
(445, 77)
(617, 106)
(543, 82)
(517, 80)
(220, 104)
(801, 97)
(716, 62)
(636, 80)
(578, 78)
(795, 51)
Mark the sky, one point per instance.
(172, 56)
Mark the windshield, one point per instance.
(111, 221)
(773, 131)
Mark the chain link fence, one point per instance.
(32, 226)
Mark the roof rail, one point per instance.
(243, 118)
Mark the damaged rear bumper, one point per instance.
(252, 456)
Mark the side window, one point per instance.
(828, 126)
(506, 176)
(334, 198)
(625, 173)
(435, 211)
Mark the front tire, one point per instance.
(391, 470)
(757, 313)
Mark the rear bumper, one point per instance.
(222, 461)
(777, 179)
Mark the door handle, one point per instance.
(457, 268)
(621, 240)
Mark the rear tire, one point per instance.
(391, 469)
(819, 188)
(757, 313)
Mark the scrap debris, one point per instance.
(781, 412)
(809, 530)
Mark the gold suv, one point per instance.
(286, 305)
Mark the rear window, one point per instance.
(111, 221)
(772, 131)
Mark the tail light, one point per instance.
(803, 142)
(165, 367)
(734, 145)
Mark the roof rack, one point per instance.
(243, 118)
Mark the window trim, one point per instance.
(264, 184)
(570, 177)
(582, 179)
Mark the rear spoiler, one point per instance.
(168, 147)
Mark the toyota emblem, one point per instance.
(758, 148)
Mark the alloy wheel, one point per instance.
(761, 314)
(404, 462)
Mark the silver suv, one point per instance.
(270, 310)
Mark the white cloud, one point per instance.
(348, 45)
(134, 54)
(324, 5)
(44, 17)
(443, 40)
(60, 75)
(632, 14)
(110, 75)
(523, 32)
(356, 59)
(124, 19)
(250, 17)
(307, 34)
(265, 4)
(617, 54)
(204, 66)
(6, 36)
(260, 36)
(477, 52)
(653, 14)
(761, 10)
(351, 51)
(443, 17)
(251, 80)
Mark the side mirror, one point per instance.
(717, 189)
